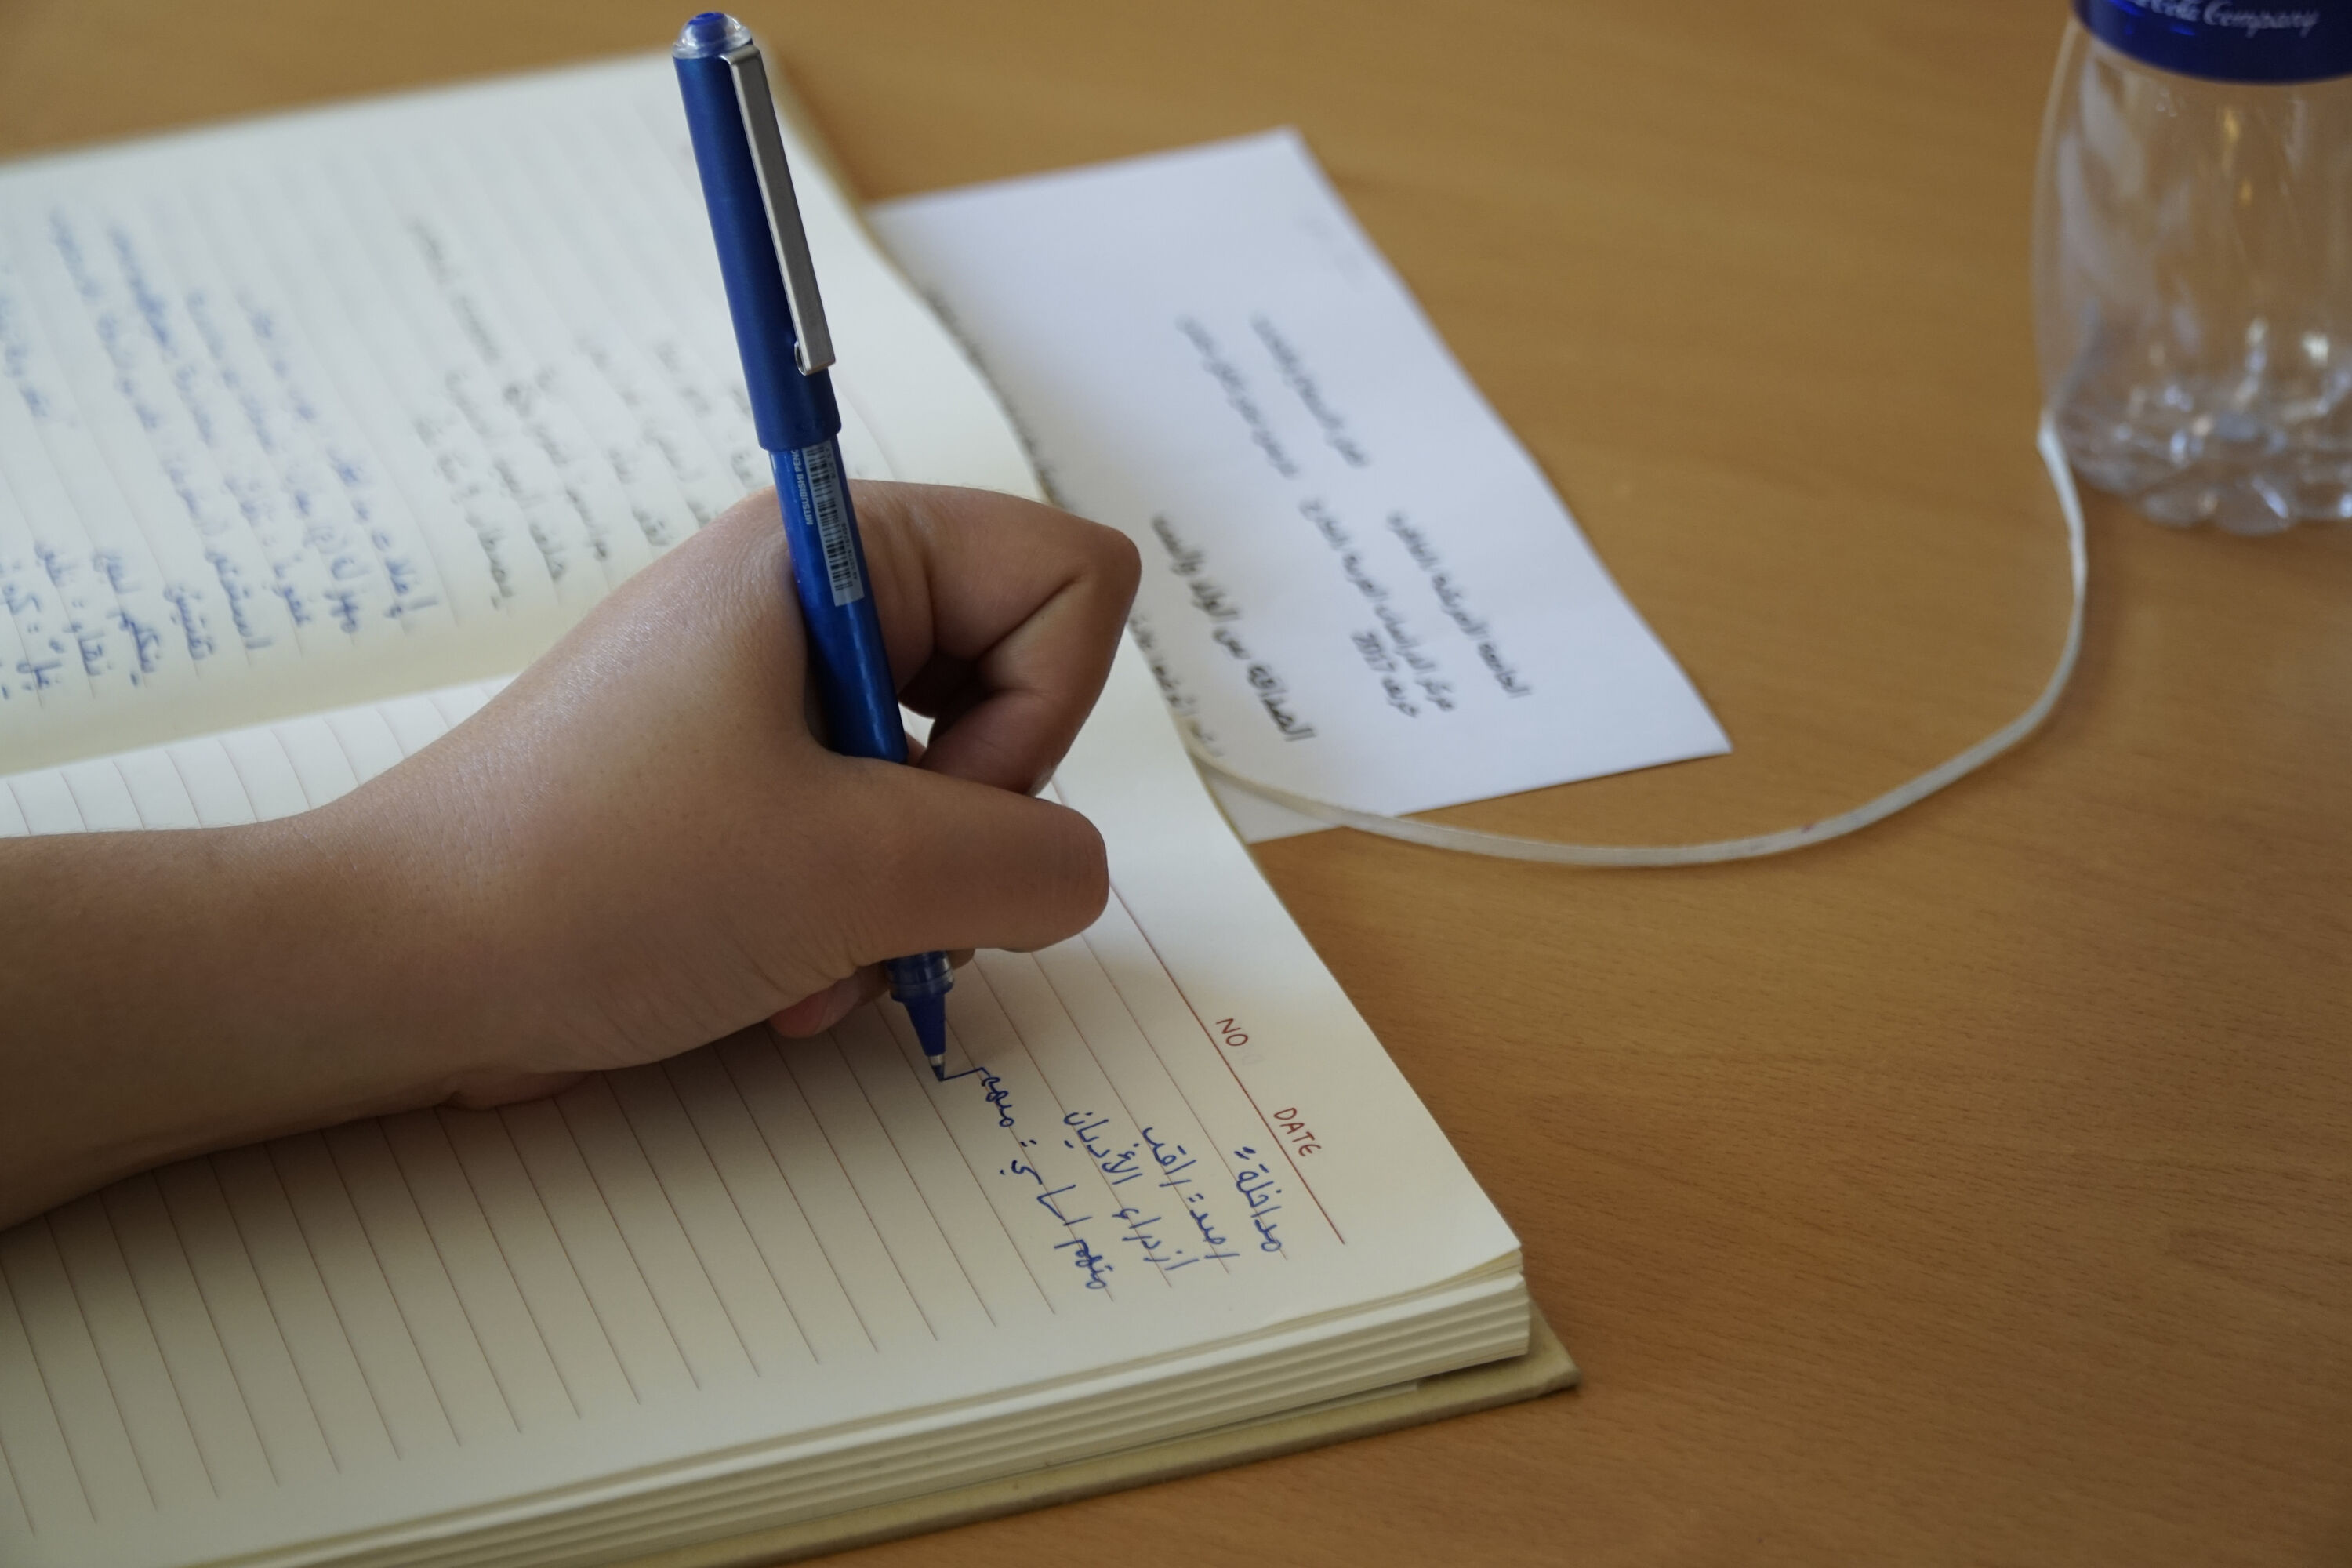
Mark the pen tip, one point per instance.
(930, 1016)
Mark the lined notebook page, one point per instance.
(246, 775)
(324, 407)
(1148, 1145)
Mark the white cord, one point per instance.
(1511, 846)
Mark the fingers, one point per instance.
(488, 1092)
(1005, 615)
(949, 864)
(1002, 617)
(815, 1013)
(821, 1010)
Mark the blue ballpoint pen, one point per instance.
(781, 331)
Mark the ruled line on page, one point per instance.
(931, 1104)
(409, 1255)
(706, 1159)
(1094, 1177)
(950, 1232)
(228, 1434)
(154, 1419)
(887, 1195)
(483, 1273)
(90, 1419)
(49, 1478)
(114, 1284)
(12, 1498)
(335, 1377)
(252, 1340)
(851, 1246)
(554, 1286)
(1289, 1158)
(1176, 1086)
(770, 1206)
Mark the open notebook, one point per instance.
(311, 430)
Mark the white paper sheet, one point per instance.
(1358, 586)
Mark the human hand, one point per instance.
(646, 845)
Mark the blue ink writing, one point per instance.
(1256, 1184)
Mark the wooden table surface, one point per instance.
(1970, 1191)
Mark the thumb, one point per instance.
(963, 865)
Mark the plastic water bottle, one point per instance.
(2193, 256)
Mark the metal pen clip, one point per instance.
(814, 351)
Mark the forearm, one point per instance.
(167, 992)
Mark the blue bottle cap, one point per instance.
(2228, 40)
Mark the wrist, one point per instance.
(382, 1000)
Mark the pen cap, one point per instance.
(791, 410)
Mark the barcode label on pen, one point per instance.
(826, 507)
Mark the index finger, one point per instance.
(1001, 616)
